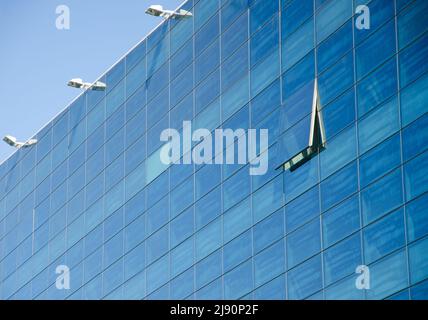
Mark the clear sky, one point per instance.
(37, 59)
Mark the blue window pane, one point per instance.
(237, 251)
(298, 76)
(231, 9)
(298, 181)
(336, 79)
(302, 209)
(412, 61)
(380, 12)
(207, 62)
(416, 177)
(136, 55)
(182, 286)
(338, 186)
(157, 56)
(157, 216)
(267, 101)
(208, 269)
(384, 236)
(260, 12)
(303, 243)
(204, 10)
(264, 42)
(342, 259)
(375, 50)
(181, 30)
(331, 16)
(236, 188)
(412, 22)
(305, 280)
(420, 291)
(237, 220)
(274, 290)
(339, 151)
(297, 45)
(382, 196)
(264, 73)
(269, 263)
(233, 37)
(341, 221)
(206, 179)
(378, 125)
(181, 197)
(207, 91)
(339, 114)
(294, 13)
(182, 257)
(416, 217)
(157, 245)
(294, 140)
(134, 261)
(413, 100)
(415, 138)
(268, 199)
(239, 281)
(208, 208)
(380, 160)
(207, 34)
(209, 239)
(181, 86)
(136, 78)
(157, 274)
(388, 276)
(213, 291)
(335, 46)
(235, 97)
(418, 261)
(268, 230)
(181, 59)
(234, 67)
(344, 290)
(377, 87)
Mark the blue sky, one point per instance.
(37, 59)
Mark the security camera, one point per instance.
(155, 10)
(159, 11)
(79, 84)
(76, 83)
(98, 86)
(12, 141)
(29, 143)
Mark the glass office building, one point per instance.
(93, 195)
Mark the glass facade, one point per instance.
(93, 194)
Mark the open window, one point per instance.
(304, 138)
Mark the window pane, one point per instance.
(380, 160)
(239, 281)
(417, 218)
(416, 176)
(375, 50)
(382, 196)
(384, 236)
(302, 209)
(338, 186)
(303, 243)
(378, 125)
(305, 280)
(342, 259)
